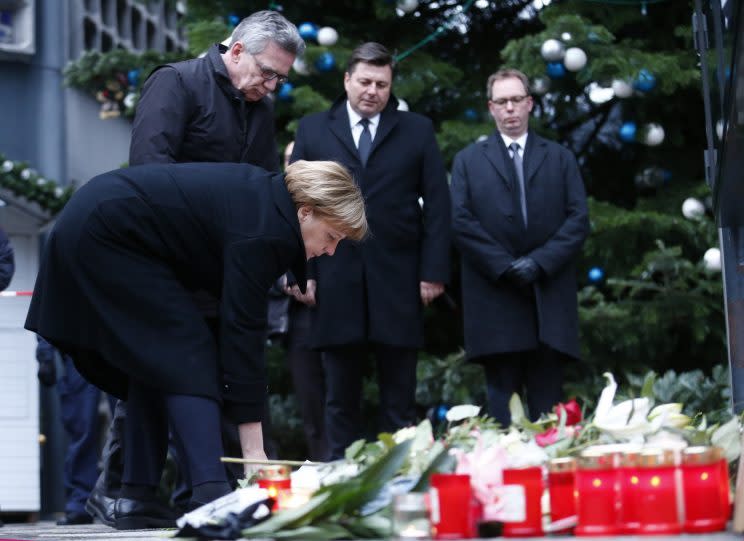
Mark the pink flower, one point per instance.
(549, 437)
(572, 409)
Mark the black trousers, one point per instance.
(536, 373)
(344, 369)
(112, 457)
(308, 380)
(195, 423)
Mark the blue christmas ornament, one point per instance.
(133, 77)
(325, 62)
(645, 82)
(555, 70)
(285, 92)
(233, 20)
(595, 275)
(470, 114)
(442, 412)
(666, 175)
(308, 31)
(628, 132)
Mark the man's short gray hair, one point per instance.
(257, 30)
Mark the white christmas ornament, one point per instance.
(622, 89)
(402, 105)
(712, 259)
(566, 36)
(540, 85)
(654, 134)
(407, 6)
(130, 100)
(327, 36)
(300, 67)
(7, 166)
(693, 208)
(552, 50)
(574, 59)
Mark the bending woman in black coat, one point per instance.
(125, 254)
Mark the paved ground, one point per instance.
(49, 531)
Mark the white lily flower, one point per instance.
(626, 420)
(463, 411)
(404, 434)
(669, 408)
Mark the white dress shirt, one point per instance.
(521, 141)
(357, 128)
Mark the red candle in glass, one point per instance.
(596, 493)
(629, 519)
(451, 507)
(701, 479)
(561, 476)
(274, 478)
(725, 488)
(531, 479)
(658, 511)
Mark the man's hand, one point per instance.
(308, 297)
(430, 291)
(523, 271)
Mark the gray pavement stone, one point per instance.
(49, 531)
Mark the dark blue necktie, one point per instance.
(365, 141)
(514, 147)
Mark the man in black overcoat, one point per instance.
(519, 223)
(370, 296)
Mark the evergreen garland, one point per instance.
(116, 77)
(21, 180)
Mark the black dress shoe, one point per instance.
(71, 519)
(101, 507)
(141, 515)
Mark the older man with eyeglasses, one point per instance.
(209, 109)
(520, 220)
(214, 108)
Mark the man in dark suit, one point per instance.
(370, 296)
(520, 219)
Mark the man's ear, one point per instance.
(235, 51)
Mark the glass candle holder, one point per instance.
(276, 480)
(596, 493)
(561, 477)
(629, 520)
(725, 485)
(531, 480)
(411, 516)
(659, 513)
(701, 481)
(450, 502)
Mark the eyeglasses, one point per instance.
(516, 100)
(269, 74)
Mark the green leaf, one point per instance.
(647, 391)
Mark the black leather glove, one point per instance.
(523, 271)
(47, 373)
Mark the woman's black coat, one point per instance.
(114, 285)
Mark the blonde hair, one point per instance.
(329, 189)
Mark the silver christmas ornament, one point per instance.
(574, 59)
(552, 50)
